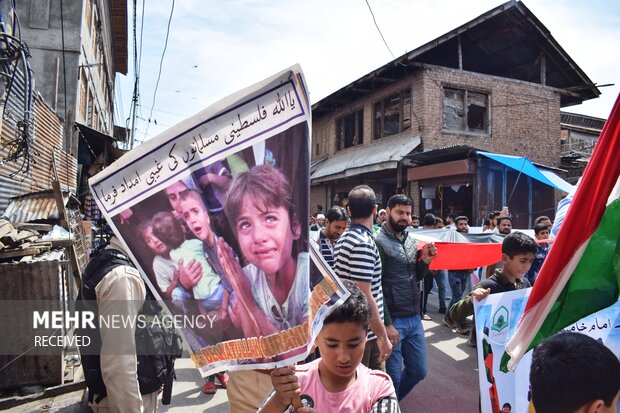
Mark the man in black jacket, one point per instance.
(403, 265)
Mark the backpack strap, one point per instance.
(99, 265)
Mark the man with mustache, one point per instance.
(403, 265)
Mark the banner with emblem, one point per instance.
(214, 212)
(496, 319)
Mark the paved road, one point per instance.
(450, 386)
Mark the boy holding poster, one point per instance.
(518, 253)
(336, 382)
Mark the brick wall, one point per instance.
(524, 117)
(325, 127)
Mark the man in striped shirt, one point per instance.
(356, 257)
(336, 223)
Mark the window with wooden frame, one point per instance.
(465, 111)
(392, 115)
(83, 89)
(318, 139)
(89, 109)
(350, 130)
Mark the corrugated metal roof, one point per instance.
(445, 154)
(10, 188)
(385, 155)
(33, 207)
(48, 143)
(583, 121)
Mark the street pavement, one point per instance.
(451, 384)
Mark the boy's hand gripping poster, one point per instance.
(214, 212)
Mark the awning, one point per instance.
(525, 166)
(98, 142)
(95, 139)
(384, 154)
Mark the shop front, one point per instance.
(461, 180)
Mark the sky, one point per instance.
(217, 47)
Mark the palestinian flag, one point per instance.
(578, 277)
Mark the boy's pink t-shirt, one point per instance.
(370, 386)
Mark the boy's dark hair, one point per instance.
(415, 217)
(507, 405)
(493, 214)
(541, 219)
(517, 243)
(354, 310)
(570, 370)
(500, 219)
(362, 201)
(399, 199)
(429, 219)
(336, 213)
(460, 218)
(540, 227)
(265, 185)
(168, 229)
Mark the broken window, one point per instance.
(393, 114)
(465, 111)
(350, 129)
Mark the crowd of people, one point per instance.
(379, 254)
(449, 283)
(372, 348)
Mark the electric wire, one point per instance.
(379, 30)
(141, 43)
(136, 90)
(20, 149)
(161, 62)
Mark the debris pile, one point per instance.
(23, 241)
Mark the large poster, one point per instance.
(496, 319)
(215, 213)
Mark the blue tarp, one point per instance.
(526, 167)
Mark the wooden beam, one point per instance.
(64, 222)
(543, 68)
(36, 227)
(384, 79)
(360, 90)
(438, 170)
(460, 51)
(20, 252)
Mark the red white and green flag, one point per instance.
(581, 274)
